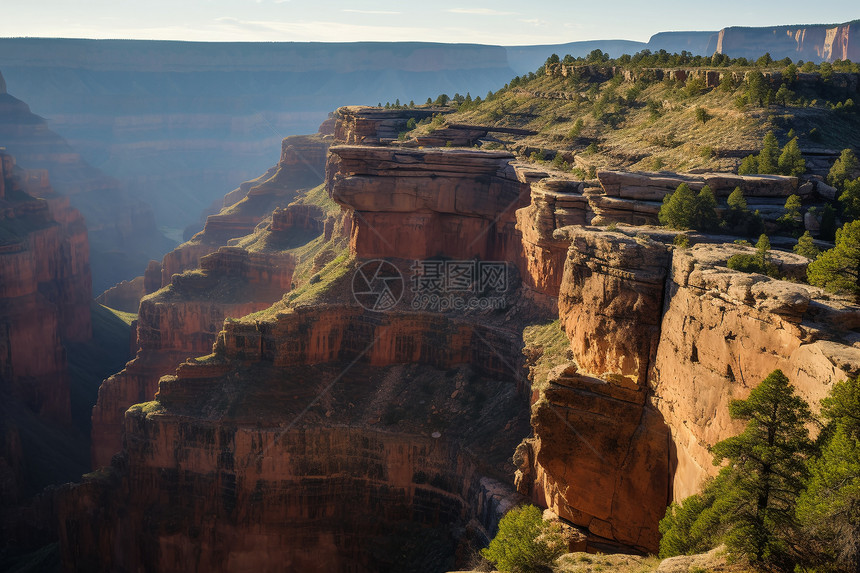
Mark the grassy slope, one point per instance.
(629, 135)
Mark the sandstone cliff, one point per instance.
(809, 43)
(249, 451)
(44, 288)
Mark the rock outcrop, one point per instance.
(723, 331)
(272, 432)
(422, 203)
(182, 320)
(814, 43)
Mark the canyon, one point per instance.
(168, 148)
(280, 395)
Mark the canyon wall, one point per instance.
(193, 132)
(422, 203)
(44, 289)
(120, 227)
(809, 43)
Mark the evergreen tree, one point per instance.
(525, 542)
(838, 269)
(749, 165)
(678, 208)
(737, 201)
(805, 247)
(791, 161)
(765, 471)
(705, 211)
(850, 199)
(843, 169)
(768, 159)
(829, 508)
(792, 220)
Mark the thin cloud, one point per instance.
(480, 12)
(356, 11)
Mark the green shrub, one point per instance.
(525, 542)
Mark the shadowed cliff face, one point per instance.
(121, 228)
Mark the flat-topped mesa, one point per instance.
(711, 78)
(724, 331)
(418, 203)
(374, 125)
(183, 320)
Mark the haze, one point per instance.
(503, 22)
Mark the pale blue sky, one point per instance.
(505, 22)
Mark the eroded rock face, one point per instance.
(611, 301)
(723, 332)
(183, 320)
(373, 125)
(554, 204)
(44, 289)
(808, 43)
(422, 203)
(259, 455)
(599, 459)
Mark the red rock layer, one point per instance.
(260, 455)
(422, 203)
(44, 289)
(182, 320)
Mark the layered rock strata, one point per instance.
(182, 320)
(44, 289)
(422, 203)
(269, 435)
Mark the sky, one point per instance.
(500, 22)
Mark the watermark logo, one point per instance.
(435, 285)
(458, 285)
(377, 285)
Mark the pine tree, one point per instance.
(749, 165)
(525, 543)
(843, 169)
(705, 211)
(837, 270)
(791, 161)
(749, 506)
(768, 159)
(792, 220)
(766, 469)
(850, 199)
(805, 247)
(678, 208)
(829, 508)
